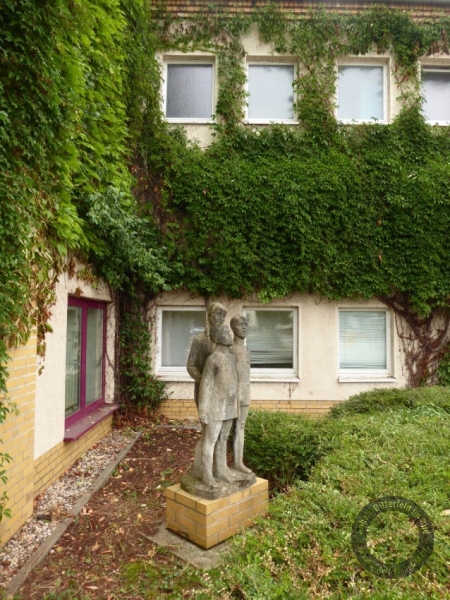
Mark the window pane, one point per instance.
(362, 340)
(179, 327)
(360, 93)
(271, 338)
(189, 91)
(94, 355)
(270, 88)
(436, 89)
(73, 359)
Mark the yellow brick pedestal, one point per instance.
(209, 522)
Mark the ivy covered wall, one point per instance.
(354, 211)
(321, 207)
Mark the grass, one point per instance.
(377, 444)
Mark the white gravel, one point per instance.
(56, 502)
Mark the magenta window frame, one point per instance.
(84, 410)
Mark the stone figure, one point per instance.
(217, 406)
(222, 389)
(201, 348)
(239, 325)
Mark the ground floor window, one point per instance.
(364, 341)
(85, 358)
(272, 340)
(178, 327)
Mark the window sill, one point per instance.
(78, 429)
(175, 377)
(362, 122)
(270, 122)
(366, 379)
(192, 121)
(275, 379)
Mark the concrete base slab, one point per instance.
(192, 554)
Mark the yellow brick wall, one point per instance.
(186, 409)
(17, 433)
(27, 478)
(52, 464)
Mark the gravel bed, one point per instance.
(52, 506)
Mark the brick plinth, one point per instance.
(209, 522)
(186, 409)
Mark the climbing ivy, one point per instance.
(336, 210)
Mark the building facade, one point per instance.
(307, 352)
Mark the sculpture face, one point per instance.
(239, 325)
(217, 314)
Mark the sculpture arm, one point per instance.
(205, 393)
(191, 365)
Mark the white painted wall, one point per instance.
(50, 385)
(318, 347)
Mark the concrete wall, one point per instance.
(317, 385)
(50, 388)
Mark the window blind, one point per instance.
(271, 338)
(179, 327)
(360, 93)
(436, 89)
(189, 91)
(270, 92)
(73, 359)
(362, 340)
(94, 355)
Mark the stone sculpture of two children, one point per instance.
(220, 367)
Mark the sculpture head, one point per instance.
(216, 314)
(221, 334)
(239, 325)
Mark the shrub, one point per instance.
(376, 401)
(280, 446)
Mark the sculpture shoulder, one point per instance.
(201, 344)
(241, 351)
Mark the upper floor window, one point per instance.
(272, 341)
(85, 361)
(361, 93)
(189, 91)
(364, 342)
(436, 91)
(271, 96)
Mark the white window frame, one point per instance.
(191, 60)
(435, 69)
(172, 373)
(268, 63)
(367, 375)
(372, 63)
(278, 374)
